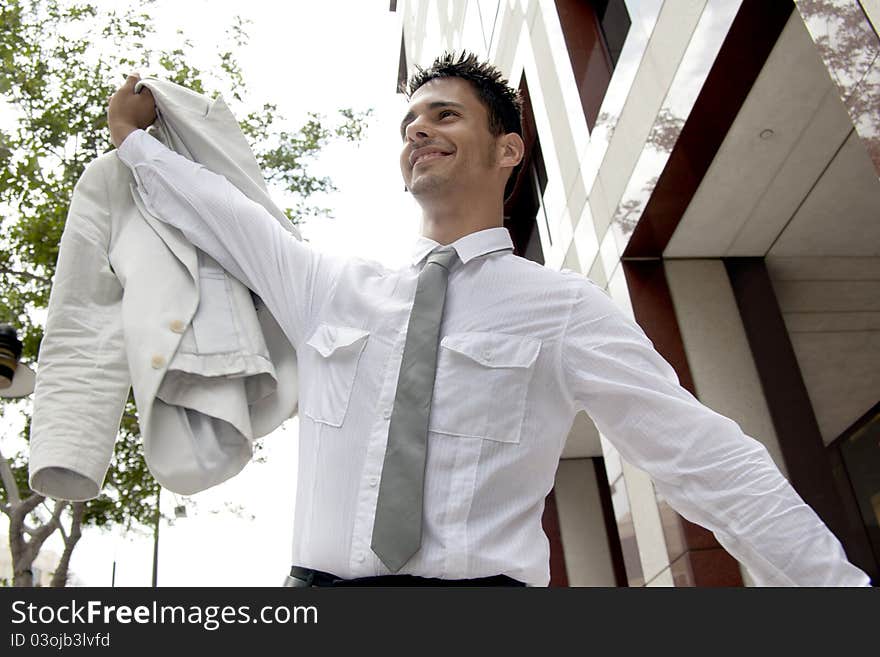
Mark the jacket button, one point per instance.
(157, 362)
(177, 326)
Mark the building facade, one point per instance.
(714, 165)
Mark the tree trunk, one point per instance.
(24, 551)
(20, 549)
(21, 561)
(23, 578)
(59, 577)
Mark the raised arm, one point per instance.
(240, 234)
(701, 462)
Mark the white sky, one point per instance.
(302, 56)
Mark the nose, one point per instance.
(417, 129)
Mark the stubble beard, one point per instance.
(430, 184)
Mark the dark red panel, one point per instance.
(614, 545)
(743, 54)
(655, 313)
(712, 568)
(589, 56)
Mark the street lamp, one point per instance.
(16, 379)
(179, 512)
(156, 537)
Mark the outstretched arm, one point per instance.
(700, 461)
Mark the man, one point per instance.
(435, 399)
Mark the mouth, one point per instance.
(428, 156)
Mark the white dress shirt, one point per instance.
(523, 349)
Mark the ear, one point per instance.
(511, 150)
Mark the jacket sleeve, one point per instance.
(292, 278)
(82, 377)
(700, 461)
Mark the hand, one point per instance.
(129, 111)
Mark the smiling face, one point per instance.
(447, 144)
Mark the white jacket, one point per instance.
(134, 304)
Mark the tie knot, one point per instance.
(443, 256)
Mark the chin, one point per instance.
(427, 184)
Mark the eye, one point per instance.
(444, 113)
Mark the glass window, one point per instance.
(594, 31)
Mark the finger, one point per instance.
(144, 91)
(131, 80)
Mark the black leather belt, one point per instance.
(305, 577)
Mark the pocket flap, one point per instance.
(327, 339)
(494, 349)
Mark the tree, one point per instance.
(59, 63)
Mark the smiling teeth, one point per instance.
(428, 156)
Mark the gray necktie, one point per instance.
(397, 529)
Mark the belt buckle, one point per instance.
(296, 583)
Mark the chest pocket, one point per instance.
(481, 384)
(335, 356)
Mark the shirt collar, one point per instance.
(468, 247)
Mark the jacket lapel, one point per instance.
(181, 247)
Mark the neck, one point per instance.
(447, 220)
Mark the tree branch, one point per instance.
(59, 578)
(24, 274)
(41, 534)
(29, 504)
(77, 513)
(8, 479)
(63, 533)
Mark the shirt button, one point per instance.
(359, 557)
(386, 413)
(177, 326)
(157, 362)
(373, 481)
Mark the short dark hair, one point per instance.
(502, 102)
